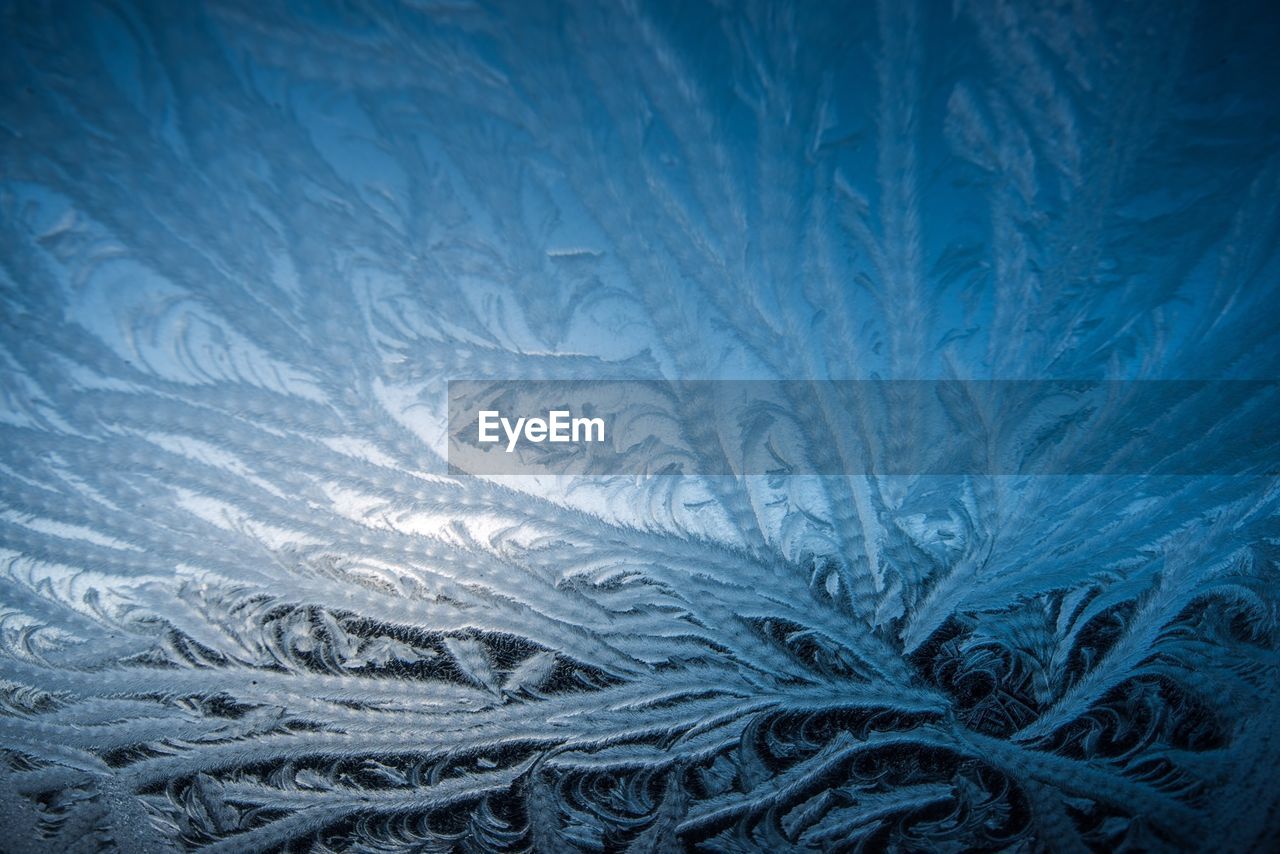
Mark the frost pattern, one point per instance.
(241, 249)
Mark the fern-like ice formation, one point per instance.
(243, 606)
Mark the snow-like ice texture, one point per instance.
(242, 248)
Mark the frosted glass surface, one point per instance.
(245, 606)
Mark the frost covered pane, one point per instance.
(245, 606)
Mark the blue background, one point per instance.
(244, 245)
